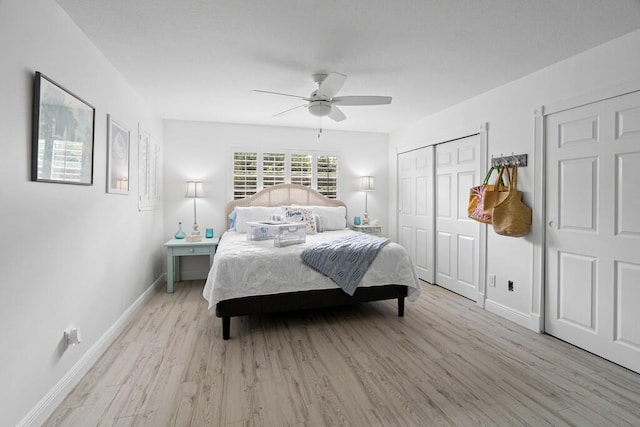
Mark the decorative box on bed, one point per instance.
(252, 277)
(257, 231)
(283, 233)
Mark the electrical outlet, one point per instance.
(72, 336)
(510, 284)
(491, 280)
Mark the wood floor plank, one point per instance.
(446, 362)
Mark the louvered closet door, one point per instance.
(415, 219)
(593, 230)
(457, 236)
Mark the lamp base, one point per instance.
(365, 219)
(194, 237)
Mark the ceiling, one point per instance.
(200, 59)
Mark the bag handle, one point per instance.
(513, 179)
(488, 175)
(499, 181)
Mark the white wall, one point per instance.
(509, 110)
(70, 255)
(203, 151)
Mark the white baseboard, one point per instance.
(536, 323)
(515, 316)
(480, 301)
(39, 414)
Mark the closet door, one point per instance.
(593, 228)
(415, 217)
(457, 169)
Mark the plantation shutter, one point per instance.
(273, 170)
(253, 171)
(301, 169)
(245, 174)
(327, 176)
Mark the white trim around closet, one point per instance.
(536, 321)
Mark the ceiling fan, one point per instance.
(324, 102)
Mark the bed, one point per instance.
(254, 277)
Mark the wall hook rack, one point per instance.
(513, 159)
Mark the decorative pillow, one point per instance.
(232, 220)
(246, 214)
(332, 217)
(301, 215)
(318, 221)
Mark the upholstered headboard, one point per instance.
(283, 195)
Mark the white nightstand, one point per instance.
(180, 247)
(376, 230)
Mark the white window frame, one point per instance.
(258, 177)
(287, 152)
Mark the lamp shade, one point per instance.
(366, 183)
(194, 189)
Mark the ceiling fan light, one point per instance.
(320, 108)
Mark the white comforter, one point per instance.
(243, 268)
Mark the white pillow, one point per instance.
(318, 221)
(254, 213)
(331, 217)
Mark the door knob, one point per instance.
(552, 224)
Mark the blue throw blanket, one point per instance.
(346, 260)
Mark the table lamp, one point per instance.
(194, 191)
(366, 185)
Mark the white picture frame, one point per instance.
(149, 172)
(119, 148)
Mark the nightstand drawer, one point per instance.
(376, 230)
(192, 250)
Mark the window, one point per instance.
(253, 171)
(273, 169)
(301, 169)
(245, 174)
(328, 176)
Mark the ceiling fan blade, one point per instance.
(331, 85)
(336, 114)
(283, 94)
(362, 100)
(290, 109)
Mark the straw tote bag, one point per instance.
(478, 208)
(512, 217)
(496, 193)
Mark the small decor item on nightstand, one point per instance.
(209, 233)
(194, 237)
(180, 234)
(356, 220)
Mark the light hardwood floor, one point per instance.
(446, 362)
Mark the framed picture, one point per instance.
(149, 172)
(62, 135)
(118, 157)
